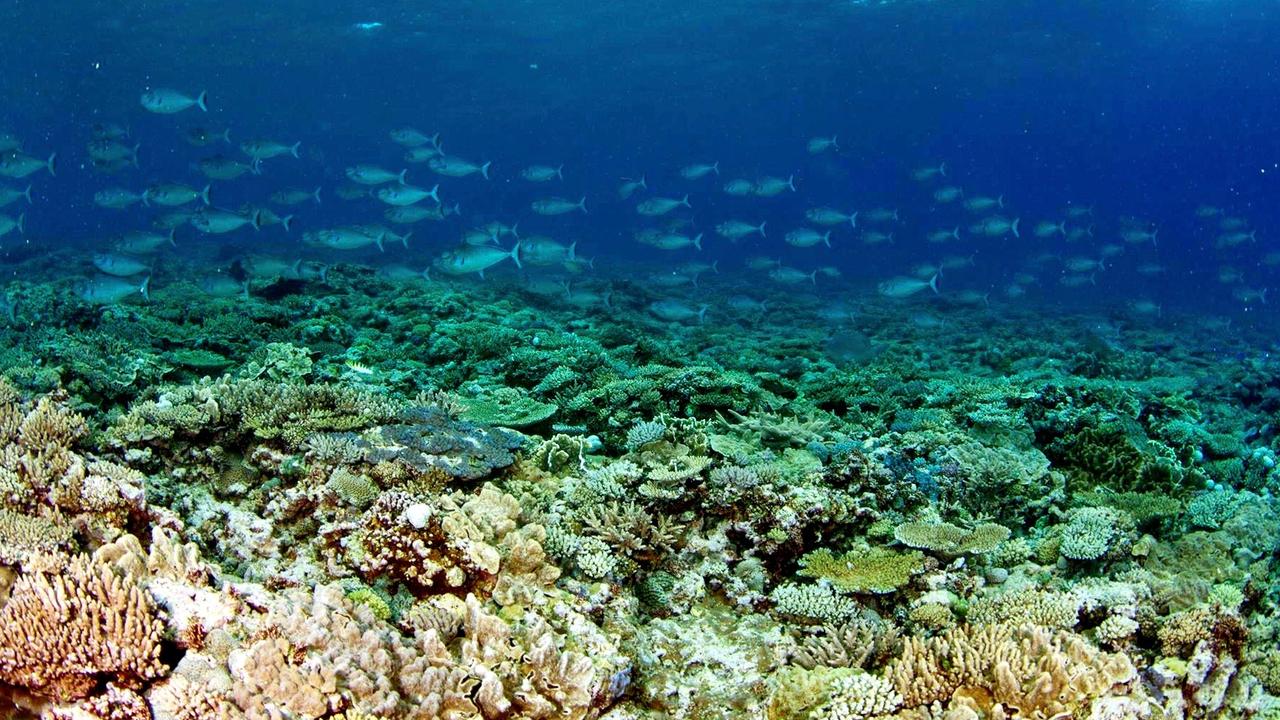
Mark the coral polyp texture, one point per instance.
(492, 516)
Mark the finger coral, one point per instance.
(67, 632)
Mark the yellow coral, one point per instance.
(32, 542)
(863, 571)
(1023, 606)
(947, 539)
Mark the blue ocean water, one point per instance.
(1141, 109)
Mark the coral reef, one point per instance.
(444, 504)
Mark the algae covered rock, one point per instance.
(426, 439)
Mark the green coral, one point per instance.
(505, 407)
(278, 362)
(372, 599)
(1092, 532)
(947, 539)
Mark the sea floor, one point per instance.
(363, 498)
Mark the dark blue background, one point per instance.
(1140, 108)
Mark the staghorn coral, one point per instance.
(860, 643)
(559, 453)
(242, 409)
(931, 616)
(68, 631)
(1092, 532)
(33, 542)
(643, 433)
(858, 696)
(36, 442)
(1223, 632)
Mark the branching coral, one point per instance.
(860, 643)
(1031, 671)
(319, 654)
(67, 632)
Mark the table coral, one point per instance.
(873, 570)
(947, 539)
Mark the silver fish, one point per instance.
(769, 186)
(110, 150)
(472, 259)
(295, 196)
(558, 206)
(693, 172)
(629, 187)
(981, 203)
(9, 224)
(791, 276)
(409, 137)
(543, 173)
(661, 206)
(19, 165)
(175, 194)
(902, 286)
(736, 229)
(220, 167)
(224, 286)
(373, 175)
(119, 265)
(402, 195)
(928, 173)
(807, 237)
(543, 251)
(214, 221)
(118, 198)
(106, 289)
(831, 216)
(819, 145)
(676, 311)
(142, 242)
(421, 154)
(451, 166)
(167, 102)
(9, 196)
(203, 137)
(410, 214)
(267, 149)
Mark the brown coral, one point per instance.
(857, 644)
(1027, 671)
(70, 631)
